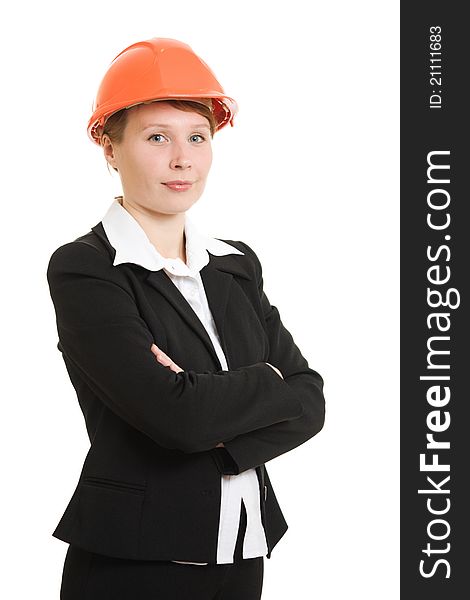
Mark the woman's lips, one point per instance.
(178, 187)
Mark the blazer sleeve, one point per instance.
(257, 447)
(103, 335)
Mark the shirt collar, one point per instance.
(131, 243)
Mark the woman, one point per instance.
(187, 378)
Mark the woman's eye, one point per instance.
(198, 135)
(155, 135)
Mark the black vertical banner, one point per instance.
(435, 340)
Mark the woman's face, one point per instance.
(162, 144)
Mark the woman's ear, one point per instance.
(108, 151)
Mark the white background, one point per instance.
(308, 177)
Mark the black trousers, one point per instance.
(90, 576)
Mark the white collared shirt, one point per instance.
(131, 243)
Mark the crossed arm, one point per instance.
(166, 361)
(257, 413)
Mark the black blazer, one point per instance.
(150, 486)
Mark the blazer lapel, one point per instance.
(163, 284)
(217, 277)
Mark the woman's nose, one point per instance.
(180, 163)
(180, 158)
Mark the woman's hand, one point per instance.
(164, 359)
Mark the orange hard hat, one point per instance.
(156, 69)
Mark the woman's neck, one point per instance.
(165, 232)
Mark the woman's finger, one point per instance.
(161, 356)
(164, 359)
